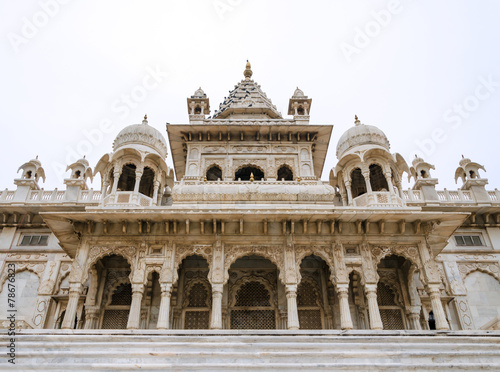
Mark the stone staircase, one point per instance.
(207, 350)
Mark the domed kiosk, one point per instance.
(367, 174)
(135, 173)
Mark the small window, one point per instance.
(34, 240)
(468, 240)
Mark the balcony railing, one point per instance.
(127, 199)
(379, 199)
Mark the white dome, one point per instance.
(361, 134)
(141, 134)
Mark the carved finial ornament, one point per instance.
(248, 71)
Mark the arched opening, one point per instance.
(358, 184)
(151, 300)
(126, 181)
(146, 186)
(192, 294)
(285, 174)
(253, 294)
(377, 178)
(78, 174)
(357, 303)
(393, 291)
(214, 173)
(423, 173)
(472, 174)
(432, 321)
(300, 110)
(110, 292)
(245, 173)
(313, 301)
(483, 297)
(197, 110)
(26, 293)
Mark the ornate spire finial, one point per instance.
(248, 70)
(356, 120)
(145, 121)
(37, 157)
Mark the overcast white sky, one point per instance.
(424, 72)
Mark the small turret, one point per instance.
(80, 172)
(32, 172)
(421, 173)
(468, 171)
(300, 106)
(198, 106)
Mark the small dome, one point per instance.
(142, 134)
(463, 162)
(298, 93)
(199, 94)
(361, 134)
(417, 160)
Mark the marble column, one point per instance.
(134, 316)
(216, 321)
(349, 191)
(345, 311)
(293, 314)
(366, 176)
(74, 297)
(164, 313)
(371, 295)
(91, 317)
(437, 307)
(414, 318)
(138, 176)
(155, 192)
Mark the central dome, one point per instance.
(141, 134)
(361, 134)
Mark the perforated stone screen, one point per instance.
(252, 294)
(196, 320)
(310, 319)
(253, 319)
(198, 296)
(115, 319)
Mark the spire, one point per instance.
(248, 71)
(145, 121)
(356, 120)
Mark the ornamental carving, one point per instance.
(323, 251)
(96, 253)
(488, 268)
(273, 253)
(35, 267)
(408, 252)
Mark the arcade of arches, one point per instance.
(252, 297)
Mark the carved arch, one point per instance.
(96, 253)
(190, 286)
(235, 252)
(302, 252)
(111, 287)
(273, 300)
(25, 266)
(408, 252)
(469, 268)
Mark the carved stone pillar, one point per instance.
(216, 321)
(134, 317)
(388, 177)
(293, 314)
(371, 295)
(414, 318)
(104, 189)
(164, 313)
(437, 307)
(349, 191)
(138, 176)
(366, 176)
(74, 297)
(91, 317)
(116, 178)
(155, 192)
(345, 311)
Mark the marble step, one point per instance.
(47, 350)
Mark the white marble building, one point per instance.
(247, 235)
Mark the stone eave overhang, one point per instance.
(438, 226)
(220, 132)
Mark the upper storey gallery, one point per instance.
(247, 152)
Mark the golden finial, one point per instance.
(298, 179)
(248, 70)
(205, 179)
(356, 120)
(252, 177)
(146, 117)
